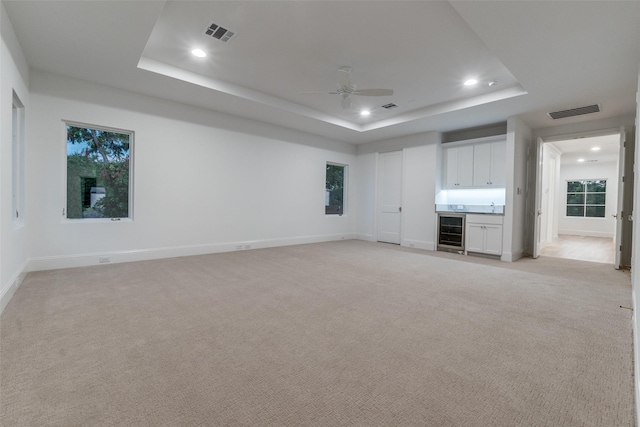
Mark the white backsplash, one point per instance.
(476, 196)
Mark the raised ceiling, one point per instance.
(545, 56)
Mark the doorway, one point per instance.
(580, 198)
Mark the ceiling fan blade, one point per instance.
(345, 101)
(373, 92)
(344, 77)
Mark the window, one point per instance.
(98, 172)
(334, 189)
(17, 159)
(586, 198)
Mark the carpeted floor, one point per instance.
(344, 333)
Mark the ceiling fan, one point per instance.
(346, 89)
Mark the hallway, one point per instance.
(584, 248)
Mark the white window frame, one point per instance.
(17, 161)
(131, 133)
(584, 214)
(345, 187)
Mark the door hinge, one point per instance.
(62, 211)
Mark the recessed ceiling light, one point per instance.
(595, 148)
(470, 82)
(581, 160)
(199, 53)
(365, 113)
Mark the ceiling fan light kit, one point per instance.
(346, 89)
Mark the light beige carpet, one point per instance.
(335, 334)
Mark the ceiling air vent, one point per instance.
(218, 32)
(389, 106)
(575, 112)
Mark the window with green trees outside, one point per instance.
(98, 172)
(334, 189)
(586, 198)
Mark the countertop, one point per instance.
(471, 209)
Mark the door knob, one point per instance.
(539, 213)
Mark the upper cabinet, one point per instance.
(458, 166)
(489, 164)
(475, 165)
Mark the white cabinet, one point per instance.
(475, 165)
(484, 234)
(458, 163)
(489, 164)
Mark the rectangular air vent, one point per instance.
(389, 105)
(575, 112)
(218, 32)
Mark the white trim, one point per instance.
(419, 244)
(365, 237)
(14, 283)
(580, 232)
(511, 256)
(89, 259)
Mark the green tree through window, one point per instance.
(98, 172)
(586, 198)
(334, 190)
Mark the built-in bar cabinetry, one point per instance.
(484, 234)
(474, 165)
(458, 166)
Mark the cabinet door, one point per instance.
(498, 163)
(482, 164)
(493, 239)
(465, 166)
(451, 168)
(475, 238)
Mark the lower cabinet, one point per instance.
(484, 234)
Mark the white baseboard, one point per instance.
(587, 233)
(511, 256)
(419, 244)
(85, 260)
(365, 237)
(12, 286)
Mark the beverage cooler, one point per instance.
(451, 232)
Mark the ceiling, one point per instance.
(544, 56)
(581, 150)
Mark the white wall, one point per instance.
(14, 76)
(514, 225)
(596, 227)
(203, 182)
(366, 197)
(635, 258)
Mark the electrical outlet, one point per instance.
(104, 259)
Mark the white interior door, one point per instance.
(390, 197)
(538, 204)
(619, 215)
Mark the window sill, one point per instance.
(95, 220)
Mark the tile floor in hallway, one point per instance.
(585, 248)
